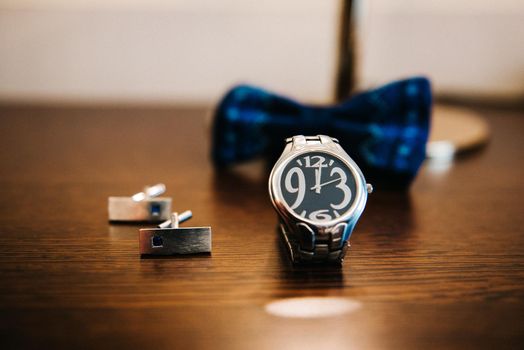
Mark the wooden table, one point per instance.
(440, 267)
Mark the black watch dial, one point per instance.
(318, 186)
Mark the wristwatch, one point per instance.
(319, 194)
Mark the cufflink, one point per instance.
(143, 206)
(170, 239)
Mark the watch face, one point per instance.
(318, 186)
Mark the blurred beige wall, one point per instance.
(470, 48)
(164, 51)
(191, 51)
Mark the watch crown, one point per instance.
(369, 188)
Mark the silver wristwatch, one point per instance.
(319, 194)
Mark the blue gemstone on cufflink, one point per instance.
(155, 209)
(157, 242)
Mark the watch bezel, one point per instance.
(354, 211)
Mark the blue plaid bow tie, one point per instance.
(384, 130)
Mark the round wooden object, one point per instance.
(455, 130)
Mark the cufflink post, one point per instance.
(143, 206)
(176, 219)
(149, 192)
(170, 239)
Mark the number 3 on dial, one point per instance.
(342, 185)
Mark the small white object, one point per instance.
(312, 307)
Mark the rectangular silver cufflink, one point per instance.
(169, 239)
(143, 206)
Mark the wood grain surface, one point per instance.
(440, 267)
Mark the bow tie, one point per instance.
(384, 130)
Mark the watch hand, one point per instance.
(325, 183)
(317, 179)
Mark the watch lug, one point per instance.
(306, 236)
(325, 140)
(337, 234)
(298, 142)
